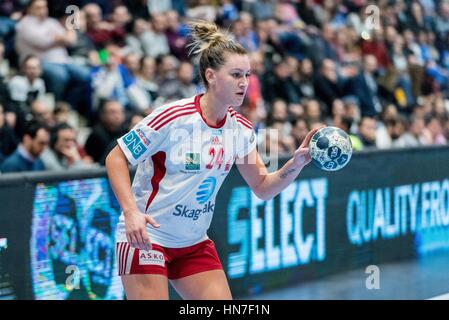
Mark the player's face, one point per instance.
(232, 79)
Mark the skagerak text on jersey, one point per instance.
(194, 214)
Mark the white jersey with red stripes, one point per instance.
(181, 163)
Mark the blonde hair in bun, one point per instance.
(210, 43)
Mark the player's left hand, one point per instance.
(301, 157)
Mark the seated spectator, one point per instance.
(4, 64)
(8, 139)
(166, 70)
(299, 131)
(353, 112)
(328, 85)
(434, 128)
(134, 119)
(160, 6)
(227, 13)
(83, 51)
(280, 83)
(202, 10)
(120, 17)
(365, 88)
(100, 31)
(157, 40)
(312, 111)
(108, 80)
(23, 90)
(137, 97)
(64, 152)
(139, 9)
(323, 45)
(414, 136)
(62, 113)
(279, 129)
(279, 113)
(27, 155)
(146, 79)
(29, 86)
(138, 39)
(338, 110)
(386, 127)
(176, 34)
(4, 74)
(44, 37)
(118, 81)
(366, 134)
(104, 134)
(261, 10)
(182, 86)
(376, 46)
(305, 81)
(42, 111)
(396, 128)
(10, 13)
(254, 91)
(243, 30)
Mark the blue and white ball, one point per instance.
(330, 148)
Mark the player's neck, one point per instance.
(213, 111)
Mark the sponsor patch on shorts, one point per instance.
(151, 257)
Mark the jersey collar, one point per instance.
(197, 105)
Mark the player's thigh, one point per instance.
(206, 285)
(145, 286)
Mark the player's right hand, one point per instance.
(136, 230)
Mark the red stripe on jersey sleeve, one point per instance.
(174, 116)
(159, 173)
(244, 124)
(243, 120)
(167, 113)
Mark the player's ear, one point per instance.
(210, 76)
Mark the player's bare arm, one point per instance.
(267, 185)
(136, 234)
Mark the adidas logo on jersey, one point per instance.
(184, 211)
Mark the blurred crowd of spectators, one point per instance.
(76, 75)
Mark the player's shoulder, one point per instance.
(171, 113)
(239, 120)
(175, 105)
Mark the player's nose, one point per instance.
(243, 85)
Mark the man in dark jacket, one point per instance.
(27, 156)
(328, 85)
(365, 88)
(8, 140)
(104, 135)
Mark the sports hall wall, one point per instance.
(57, 230)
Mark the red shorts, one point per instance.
(173, 263)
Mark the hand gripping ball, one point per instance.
(330, 148)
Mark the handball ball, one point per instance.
(330, 148)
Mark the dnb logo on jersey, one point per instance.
(136, 142)
(205, 190)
